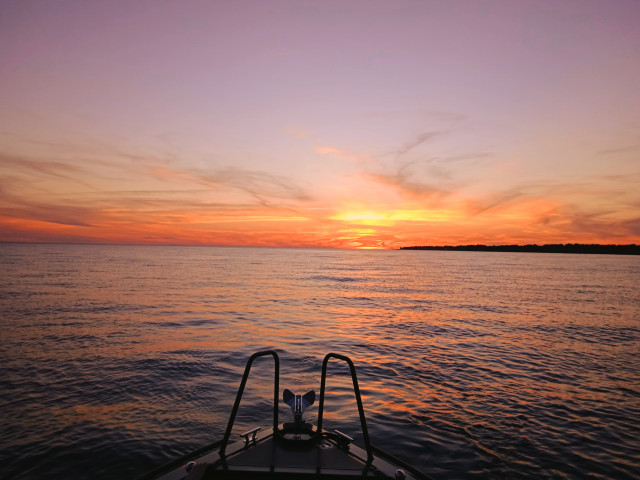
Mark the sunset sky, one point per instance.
(352, 124)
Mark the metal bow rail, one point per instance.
(356, 389)
(236, 405)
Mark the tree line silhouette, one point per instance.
(631, 249)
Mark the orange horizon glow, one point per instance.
(527, 222)
(67, 202)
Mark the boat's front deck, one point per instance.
(274, 457)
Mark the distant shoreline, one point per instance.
(631, 249)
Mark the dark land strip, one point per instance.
(631, 249)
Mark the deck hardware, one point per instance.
(251, 433)
(298, 404)
(343, 439)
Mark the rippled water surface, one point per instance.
(115, 359)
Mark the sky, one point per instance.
(346, 124)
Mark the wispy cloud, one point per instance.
(635, 148)
(149, 190)
(414, 143)
(597, 226)
(266, 189)
(478, 206)
(259, 184)
(44, 168)
(60, 214)
(402, 182)
(355, 158)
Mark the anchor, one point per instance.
(299, 404)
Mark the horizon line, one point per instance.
(416, 247)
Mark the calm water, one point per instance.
(115, 359)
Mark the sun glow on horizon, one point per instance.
(391, 217)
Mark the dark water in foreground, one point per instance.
(115, 359)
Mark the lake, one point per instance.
(115, 359)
